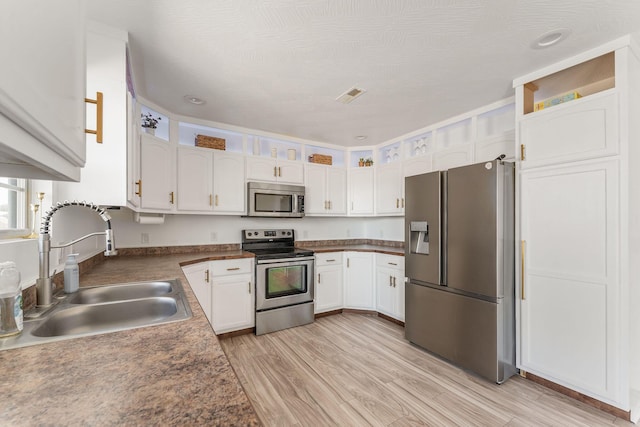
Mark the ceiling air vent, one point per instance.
(350, 95)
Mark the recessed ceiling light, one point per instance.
(361, 137)
(194, 100)
(550, 38)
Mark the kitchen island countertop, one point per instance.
(171, 374)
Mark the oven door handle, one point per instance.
(288, 260)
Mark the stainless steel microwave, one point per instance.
(275, 200)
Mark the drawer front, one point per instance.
(232, 266)
(390, 261)
(328, 258)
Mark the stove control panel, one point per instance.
(267, 234)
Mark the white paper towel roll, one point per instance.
(148, 218)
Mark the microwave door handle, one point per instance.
(295, 203)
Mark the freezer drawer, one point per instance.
(469, 332)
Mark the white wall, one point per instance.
(179, 230)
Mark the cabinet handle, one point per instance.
(331, 260)
(352, 206)
(402, 202)
(249, 287)
(318, 278)
(139, 184)
(233, 269)
(522, 151)
(523, 244)
(275, 171)
(206, 275)
(390, 281)
(99, 104)
(210, 199)
(347, 262)
(394, 281)
(172, 198)
(216, 203)
(325, 205)
(397, 203)
(279, 171)
(392, 263)
(329, 204)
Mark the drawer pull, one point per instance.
(393, 263)
(331, 260)
(233, 269)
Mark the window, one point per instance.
(13, 207)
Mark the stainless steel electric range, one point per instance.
(283, 277)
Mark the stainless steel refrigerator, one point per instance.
(459, 263)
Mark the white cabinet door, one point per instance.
(361, 194)
(198, 276)
(359, 281)
(453, 157)
(42, 88)
(315, 194)
(290, 172)
(228, 183)
(325, 190)
(194, 179)
(261, 169)
(157, 171)
(337, 190)
(273, 170)
(233, 303)
(569, 323)
(389, 194)
(581, 129)
(106, 73)
(385, 293)
(328, 282)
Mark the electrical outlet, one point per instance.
(214, 236)
(144, 238)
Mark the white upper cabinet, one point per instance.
(228, 183)
(42, 89)
(274, 170)
(106, 73)
(157, 174)
(361, 193)
(389, 189)
(194, 179)
(325, 191)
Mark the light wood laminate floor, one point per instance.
(358, 370)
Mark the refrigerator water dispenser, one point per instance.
(419, 237)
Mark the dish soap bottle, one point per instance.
(71, 274)
(11, 315)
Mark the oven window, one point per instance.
(273, 202)
(282, 281)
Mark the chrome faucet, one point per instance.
(44, 287)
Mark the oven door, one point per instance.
(284, 282)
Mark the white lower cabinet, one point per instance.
(328, 282)
(390, 285)
(199, 279)
(359, 289)
(225, 291)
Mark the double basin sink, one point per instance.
(103, 309)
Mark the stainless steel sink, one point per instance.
(123, 292)
(104, 309)
(107, 317)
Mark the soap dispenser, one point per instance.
(71, 274)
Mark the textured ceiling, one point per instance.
(278, 65)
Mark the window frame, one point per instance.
(22, 189)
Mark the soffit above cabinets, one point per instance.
(278, 65)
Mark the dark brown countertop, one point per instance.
(173, 374)
(390, 250)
